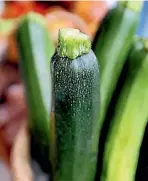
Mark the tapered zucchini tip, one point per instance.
(33, 17)
(133, 5)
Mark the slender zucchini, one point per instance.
(35, 50)
(129, 121)
(76, 91)
(111, 46)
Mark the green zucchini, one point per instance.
(35, 51)
(111, 46)
(128, 123)
(75, 72)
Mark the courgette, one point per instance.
(35, 51)
(111, 46)
(128, 123)
(75, 72)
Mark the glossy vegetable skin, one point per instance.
(35, 50)
(128, 123)
(111, 46)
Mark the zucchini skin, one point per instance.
(128, 124)
(111, 46)
(137, 52)
(35, 51)
(77, 102)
